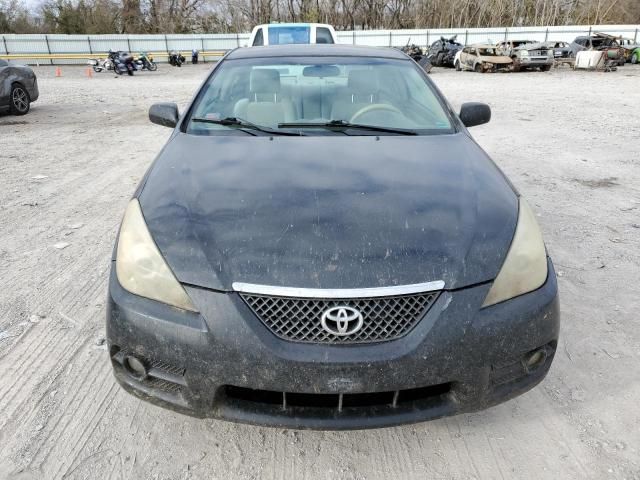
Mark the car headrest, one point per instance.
(264, 80)
(363, 82)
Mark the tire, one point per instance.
(457, 66)
(152, 66)
(20, 100)
(439, 58)
(130, 72)
(634, 58)
(478, 68)
(97, 69)
(545, 68)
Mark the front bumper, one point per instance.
(224, 363)
(534, 62)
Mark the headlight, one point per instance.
(524, 53)
(140, 267)
(525, 268)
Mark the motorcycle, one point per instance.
(101, 64)
(416, 53)
(145, 62)
(176, 59)
(123, 63)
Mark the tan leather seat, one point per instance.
(363, 89)
(266, 106)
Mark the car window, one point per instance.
(488, 52)
(323, 35)
(284, 35)
(390, 93)
(258, 41)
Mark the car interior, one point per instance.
(322, 93)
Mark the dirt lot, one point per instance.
(568, 140)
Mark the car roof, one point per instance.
(316, 50)
(294, 24)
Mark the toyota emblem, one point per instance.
(341, 321)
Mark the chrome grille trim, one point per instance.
(341, 293)
(299, 319)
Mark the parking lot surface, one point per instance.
(568, 141)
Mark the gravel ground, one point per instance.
(569, 142)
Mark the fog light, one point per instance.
(135, 367)
(534, 360)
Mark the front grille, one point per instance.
(299, 319)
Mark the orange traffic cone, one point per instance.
(89, 72)
(58, 72)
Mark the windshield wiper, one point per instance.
(342, 125)
(244, 125)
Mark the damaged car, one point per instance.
(561, 50)
(527, 54)
(322, 244)
(630, 47)
(442, 52)
(610, 44)
(18, 88)
(482, 59)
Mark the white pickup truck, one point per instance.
(288, 33)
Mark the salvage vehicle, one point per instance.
(292, 33)
(418, 56)
(482, 59)
(442, 52)
(629, 46)
(18, 88)
(101, 64)
(595, 60)
(527, 54)
(601, 42)
(322, 244)
(176, 58)
(560, 49)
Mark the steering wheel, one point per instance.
(373, 107)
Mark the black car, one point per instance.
(321, 244)
(442, 52)
(18, 88)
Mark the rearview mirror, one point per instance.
(474, 113)
(165, 114)
(321, 71)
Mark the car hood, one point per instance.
(329, 211)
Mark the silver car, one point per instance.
(18, 88)
(527, 54)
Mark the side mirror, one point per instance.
(165, 114)
(474, 113)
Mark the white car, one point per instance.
(288, 33)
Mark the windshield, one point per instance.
(287, 35)
(274, 92)
(488, 52)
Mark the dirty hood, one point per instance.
(328, 211)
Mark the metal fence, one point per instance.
(95, 45)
